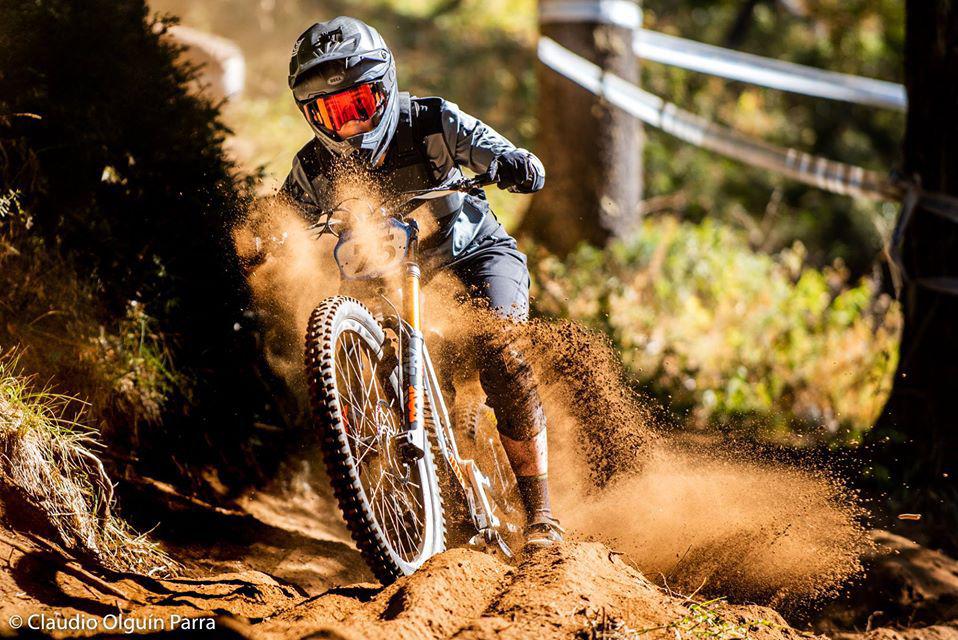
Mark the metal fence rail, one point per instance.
(823, 173)
(776, 74)
(725, 63)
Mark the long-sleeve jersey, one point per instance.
(433, 143)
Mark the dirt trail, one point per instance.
(269, 568)
(910, 592)
(576, 590)
(282, 573)
(295, 536)
(41, 579)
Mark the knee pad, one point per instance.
(522, 428)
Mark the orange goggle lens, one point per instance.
(333, 111)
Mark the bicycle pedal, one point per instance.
(490, 541)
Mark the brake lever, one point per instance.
(483, 180)
(472, 186)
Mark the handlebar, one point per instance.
(463, 185)
(327, 223)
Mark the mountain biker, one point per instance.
(343, 78)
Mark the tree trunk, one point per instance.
(917, 435)
(592, 151)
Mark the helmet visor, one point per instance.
(360, 103)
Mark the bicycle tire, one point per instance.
(328, 323)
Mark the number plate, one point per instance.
(376, 258)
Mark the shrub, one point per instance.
(125, 178)
(733, 336)
(121, 367)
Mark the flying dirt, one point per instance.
(663, 537)
(750, 529)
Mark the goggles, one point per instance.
(330, 112)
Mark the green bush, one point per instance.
(736, 337)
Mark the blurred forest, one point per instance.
(481, 55)
(721, 241)
(745, 302)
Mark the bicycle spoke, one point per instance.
(394, 495)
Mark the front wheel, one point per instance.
(392, 508)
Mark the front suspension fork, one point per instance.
(412, 442)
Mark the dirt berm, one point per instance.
(576, 590)
(261, 573)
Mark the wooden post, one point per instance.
(592, 151)
(917, 435)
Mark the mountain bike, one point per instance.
(389, 445)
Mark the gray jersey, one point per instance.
(441, 141)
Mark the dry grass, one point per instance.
(50, 461)
(703, 620)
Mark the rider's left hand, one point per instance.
(518, 171)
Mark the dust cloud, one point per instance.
(695, 520)
(744, 529)
(290, 267)
(289, 272)
(694, 517)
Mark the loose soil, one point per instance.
(574, 590)
(268, 568)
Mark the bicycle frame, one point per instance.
(474, 483)
(418, 382)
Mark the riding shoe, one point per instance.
(542, 532)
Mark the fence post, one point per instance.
(592, 151)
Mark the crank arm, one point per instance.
(484, 515)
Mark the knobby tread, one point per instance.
(442, 469)
(321, 374)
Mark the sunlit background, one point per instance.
(742, 286)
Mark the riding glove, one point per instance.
(518, 170)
